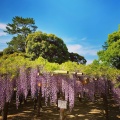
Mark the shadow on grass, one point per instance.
(82, 111)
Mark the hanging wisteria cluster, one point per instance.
(89, 89)
(33, 82)
(22, 83)
(116, 93)
(101, 85)
(6, 90)
(68, 86)
(71, 92)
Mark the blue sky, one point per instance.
(83, 25)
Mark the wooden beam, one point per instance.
(66, 72)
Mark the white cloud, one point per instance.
(83, 50)
(2, 46)
(69, 39)
(73, 39)
(89, 62)
(3, 41)
(2, 33)
(74, 48)
(2, 26)
(89, 52)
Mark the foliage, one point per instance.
(21, 27)
(17, 44)
(9, 64)
(98, 69)
(72, 66)
(74, 57)
(111, 51)
(51, 48)
(38, 44)
(15, 67)
(8, 50)
(1, 53)
(48, 46)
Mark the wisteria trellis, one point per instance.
(28, 80)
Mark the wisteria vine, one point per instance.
(69, 86)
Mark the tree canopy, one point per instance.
(48, 46)
(20, 27)
(111, 50)
(51, 48)
(36, 44)
(17, 44)
(74, 57)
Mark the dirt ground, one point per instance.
(82, 111)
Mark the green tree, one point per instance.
(111, 50)
(48, 46)
(8, 50)
(17, 44)
(74, 57)
(20, 27)
(1, 53)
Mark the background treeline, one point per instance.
(31, 45)
(34, 44)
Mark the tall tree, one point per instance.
(48, 46)
(74, 57)
(111, 50)
(20, 27)
(17, 43)
(51, 48)
(8, 50)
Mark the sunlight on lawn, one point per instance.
(81, 115)
(95, 111)
(27, 111)
(71, 116)
(118, 116)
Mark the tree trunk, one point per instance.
(62, 114)
(35, 103)
(105, 102)
(39, 102)
(5, 111)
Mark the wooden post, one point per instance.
(62, 104)
(21, 99)
(5, 111)
(35, 102)
(25, 100)
(62, 114)
(58, 96)
(105, 102)
(39, 102)
(79, 97)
